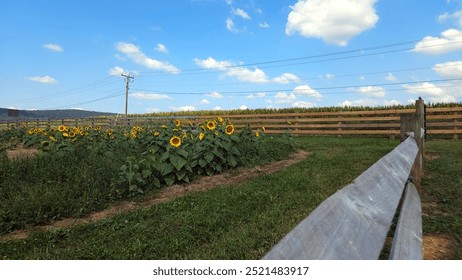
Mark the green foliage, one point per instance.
(83, 169)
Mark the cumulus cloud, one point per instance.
(307, 91)
(449, 41)
(257, 95)
(161, 48)
(117, 71)
(149, 96)
(241, 13)
(430, 92)
(334, 21)
(303, 104)
(204, 102)
(368, 102)
(390, 77)
(286, 78)
(136, 55)
(283, 97)
(43, 80)
(230, 25)
(373, 91)
(53, 47)
(457, 16)
(184, 108)
(450, 69)
(215, 94)
(243, 74)
(243, 107)
(263, 25)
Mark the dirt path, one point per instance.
(165, 194)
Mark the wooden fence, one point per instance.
(354, 222)
(439, 121)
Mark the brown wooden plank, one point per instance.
(445, 109)
(443, 131)
(443, 117)
(353, 223)
(407, 240)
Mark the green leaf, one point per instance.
(178, 162)
(146, 173)
(165, 169)
(169, 180)
(156, 182)
(208, 157)
(183, 153)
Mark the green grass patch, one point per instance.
(229, 222)
(442, 192)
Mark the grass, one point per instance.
(229, 222)
(442, 189)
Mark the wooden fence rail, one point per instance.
(354, 222)
(439, 121)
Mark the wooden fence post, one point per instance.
(414, 123)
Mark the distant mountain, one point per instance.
(52, 114)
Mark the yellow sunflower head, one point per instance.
(175, 141)
(211, 125)
(257, 134)
(61, 128)
(201, 136)
(229, 129)
(220, 120)
(177, 122)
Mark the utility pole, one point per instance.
(128, 79)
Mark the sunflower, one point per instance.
(175, 141)
(220, 120)
(65, 134)
(229, 129)
(211, 125)
(45, 143)
(257, 134)
(156, 133)
(201, 136)
(72, 134)
(61, 128)
(177, 122)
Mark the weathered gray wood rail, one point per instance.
(354, 222)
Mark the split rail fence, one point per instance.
(354, 223)
(438, 122)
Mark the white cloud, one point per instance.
(241, 13)
(450, 69)
(329, 76)
(43, 80)
(215, 94)
(204, 102)
(456, 16)
(241, 73)
(230, 25)
(334, 21)
(286, 78)
(449, 41)
(217, 108)
(373, 91)
(283, 97)
(368, 102)
(390, 77)
(149, 96)
(184, 108)
(257, 95)
(263, 25)
(117, 71)
(161, 48)
(137, 56)
(243, 107)
(303, 104)
(307, 91)
(152, 110)
(53, 47)
(424, 89)
(430, 92)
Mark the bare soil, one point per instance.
(21, 152)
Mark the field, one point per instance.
(240, 220)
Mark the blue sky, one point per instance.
(228, 54)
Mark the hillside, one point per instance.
(52, 114)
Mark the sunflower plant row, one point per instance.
(156, 156)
